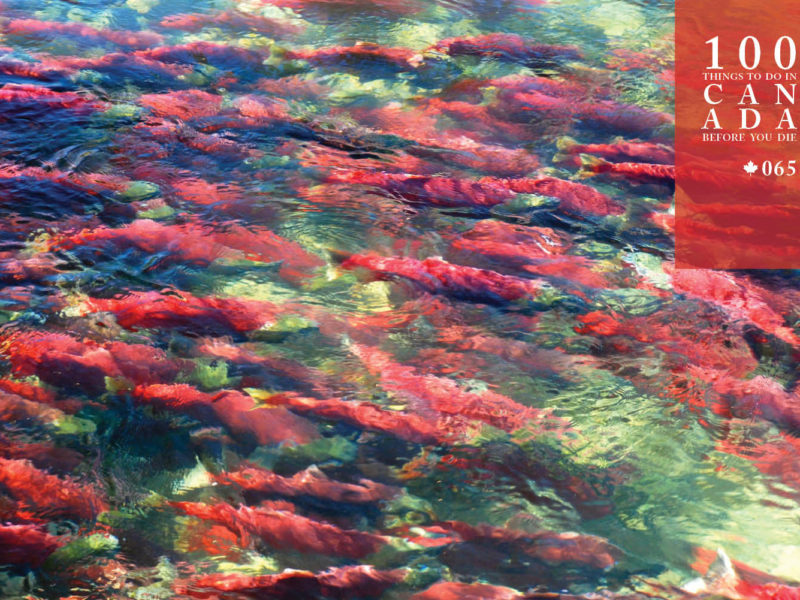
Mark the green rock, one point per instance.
(211, 375)
(142, 6)
(159, 212)
(616, 18)
(325, 449)
(77, 550)
(140, 190)
(71, 425)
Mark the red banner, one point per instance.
(737, 139)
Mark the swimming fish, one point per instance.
(356, 581)
(308, 482)
(32, 27)
(364, 415)
(505, 46)
(196, 243)
(38, 495)
(222, 56)
(26, 544)
(236, 411)
(279, 526)
(430, 393)
(183, 311)
(636, 172)
(575, 198)
(46, 456)
(28, 100)
(551, 547)
(71, 363)
(737, 297)
(619, 150)
(358, 54)
(434, 275)
(183, 104)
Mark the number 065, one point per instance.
(767, 168)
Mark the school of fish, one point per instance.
(349, 299)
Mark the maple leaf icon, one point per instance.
(750, 167)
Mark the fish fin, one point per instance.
(721, 570)
(720, 579)
(316, 471)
